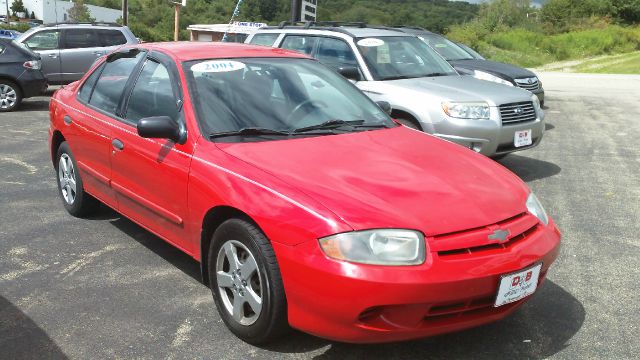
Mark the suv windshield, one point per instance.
(448, 49)
(402, 57)
(277, 98)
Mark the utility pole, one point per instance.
(125, 12)
(6, 19)
(295, 10)
(176, 28)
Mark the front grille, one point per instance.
(476, 241)
(517, 113)
(530, 84)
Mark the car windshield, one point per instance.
(277, 98)
(402, 57)
(448, 49)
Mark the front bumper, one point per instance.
(368, 304)
(488, 137)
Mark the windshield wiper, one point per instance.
(437, 74)
(399, 77)
(329, 124)
(250, 131)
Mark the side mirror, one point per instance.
(162, 127)
(350, 72)
(385, 106)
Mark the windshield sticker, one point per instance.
(370, 42)
(218, 66)
(384, 57)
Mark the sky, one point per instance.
(535, 2)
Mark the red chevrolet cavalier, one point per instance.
(306, 205)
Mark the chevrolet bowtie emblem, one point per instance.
(500, 235)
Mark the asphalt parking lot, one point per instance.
(106, 288)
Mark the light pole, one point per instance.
(6, 18)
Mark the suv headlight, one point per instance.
(534, 207)
(395, 247)
(489, 77)
(466, 110)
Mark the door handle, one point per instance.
(117, 144)
(53, 56)
(68, 120)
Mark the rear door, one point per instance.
(47, 44)
(79, 49)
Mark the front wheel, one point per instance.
(70, 186)
(246, 283)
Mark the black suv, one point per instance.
(20, 74)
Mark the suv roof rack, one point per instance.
(309, 24)
(98, 23)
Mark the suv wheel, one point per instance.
(10, 96)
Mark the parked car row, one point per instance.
(424, 90)
(305, 203)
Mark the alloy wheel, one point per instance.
(239, 282)
(8, 96)
(67, 178)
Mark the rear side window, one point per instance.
(303, 44)
(264, 39)
(111, 37)
(80, 38)
(112, 81)
(153, 94)
(89, 84)
(44, 40)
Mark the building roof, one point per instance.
(188, 50)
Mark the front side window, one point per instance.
(80, 38)
(335, 53)
(300, 43)
(112, 81)
(402, 57)
(264, 39)
(282, 94)
(153, 94)
(44, 40)
(446, 48)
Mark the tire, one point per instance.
(409, 123)
(75, 200)
(252, 321)
(10, 96)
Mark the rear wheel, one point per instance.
(10, 96)
(70, 187)
(246, 283)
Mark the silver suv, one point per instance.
(424, 90)
(68, 50)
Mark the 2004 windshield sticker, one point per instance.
(217, 66)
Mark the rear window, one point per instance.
(111, 37)
(264, 39)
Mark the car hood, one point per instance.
(393, 178)
(497, 68)
(458, 88)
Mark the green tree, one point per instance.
(79, 12)
(17, 7)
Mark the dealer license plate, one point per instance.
(522, 138)
(516, 286)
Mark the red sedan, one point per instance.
(306, 205)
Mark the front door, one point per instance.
(47, 44)
(79, 49)
(150, 176)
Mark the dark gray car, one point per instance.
(20, 75)
(68, 50)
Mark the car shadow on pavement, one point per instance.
(540, 328)
(529, 169)
(160, 247)
(548, 126)
(21, 338)
(34, 105)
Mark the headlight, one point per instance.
(377, 247)
(466, 110)
(534, 207)
(486, 76)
